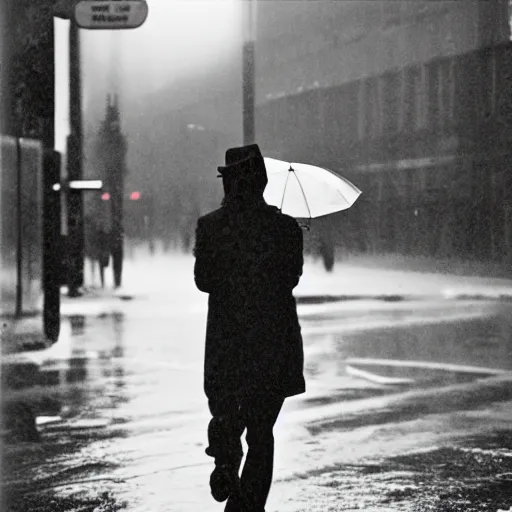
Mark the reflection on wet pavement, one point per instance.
(127, 384)
(422, 353)
(119, 367)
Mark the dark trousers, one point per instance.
(117, 265)
(231, 417)
(102, 275)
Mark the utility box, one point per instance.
(21, 248)
(29, 234)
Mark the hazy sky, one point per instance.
(178, 38)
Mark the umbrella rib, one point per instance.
(338, 190)
(303, 193)
(341, 194)
(284, 191)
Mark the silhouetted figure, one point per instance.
(248, 258)
(97, 249)
(326, 250)
(103, 253)
(117, 260)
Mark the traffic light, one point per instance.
(134, 196)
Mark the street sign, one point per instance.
(86, 184)
(79, 185)
(110, 14)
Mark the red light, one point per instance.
(105, 196)
(134, 196)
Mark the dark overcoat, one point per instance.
(249, 260)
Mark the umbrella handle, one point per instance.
(304, 224)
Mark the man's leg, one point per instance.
(92, 263)
(224, 445)
(259, 415)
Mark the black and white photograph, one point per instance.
(256, 255)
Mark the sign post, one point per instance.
(75, 207)
(248, 72)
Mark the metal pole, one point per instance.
(52, 255)
(7, 29)
(74, 164)
(248, 54)
(19, 234)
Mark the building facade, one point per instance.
(306, 44)
(409, 99)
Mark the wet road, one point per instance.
(128, 377)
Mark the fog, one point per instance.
(180, 41)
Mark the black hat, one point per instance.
(243, 158)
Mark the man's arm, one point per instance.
(203, 252)
(294, 257)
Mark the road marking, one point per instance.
(425, 365)
(373, 377)
(342, 325)
(325, 413)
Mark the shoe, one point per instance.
(224, 480)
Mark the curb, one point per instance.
(322, 299)
(393, 297)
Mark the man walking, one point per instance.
(248, 258)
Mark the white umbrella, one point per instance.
(307, 191)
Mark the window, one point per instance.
(402, 106)
(372, 107)
(420, 96)
(361, 110)
(446, 92)
(391, 84)
(348, 97)
(433, 93)
(413, 98)
(488, 84)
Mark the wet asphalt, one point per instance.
(408, 408)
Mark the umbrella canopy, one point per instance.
(307, 191)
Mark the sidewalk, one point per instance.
(153, 276)
(352, 280)
(26, 334)
(94, 301)
(424, 264)
(21, 335)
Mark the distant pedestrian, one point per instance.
(248, 258)
(97, 249)
(326, 250)
(103, 241)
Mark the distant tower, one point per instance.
(111, 150)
